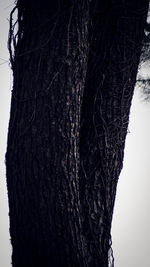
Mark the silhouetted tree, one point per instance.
(74, 66)
(143, 78)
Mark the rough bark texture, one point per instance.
(74, 65)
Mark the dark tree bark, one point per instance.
(74, 66)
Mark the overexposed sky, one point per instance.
(131, 221)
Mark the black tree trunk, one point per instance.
(74, 67)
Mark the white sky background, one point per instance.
(131, 221)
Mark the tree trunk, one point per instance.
(114, 53)
(74, 67)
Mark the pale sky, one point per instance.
(131, 221)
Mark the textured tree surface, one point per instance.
(74, 65)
